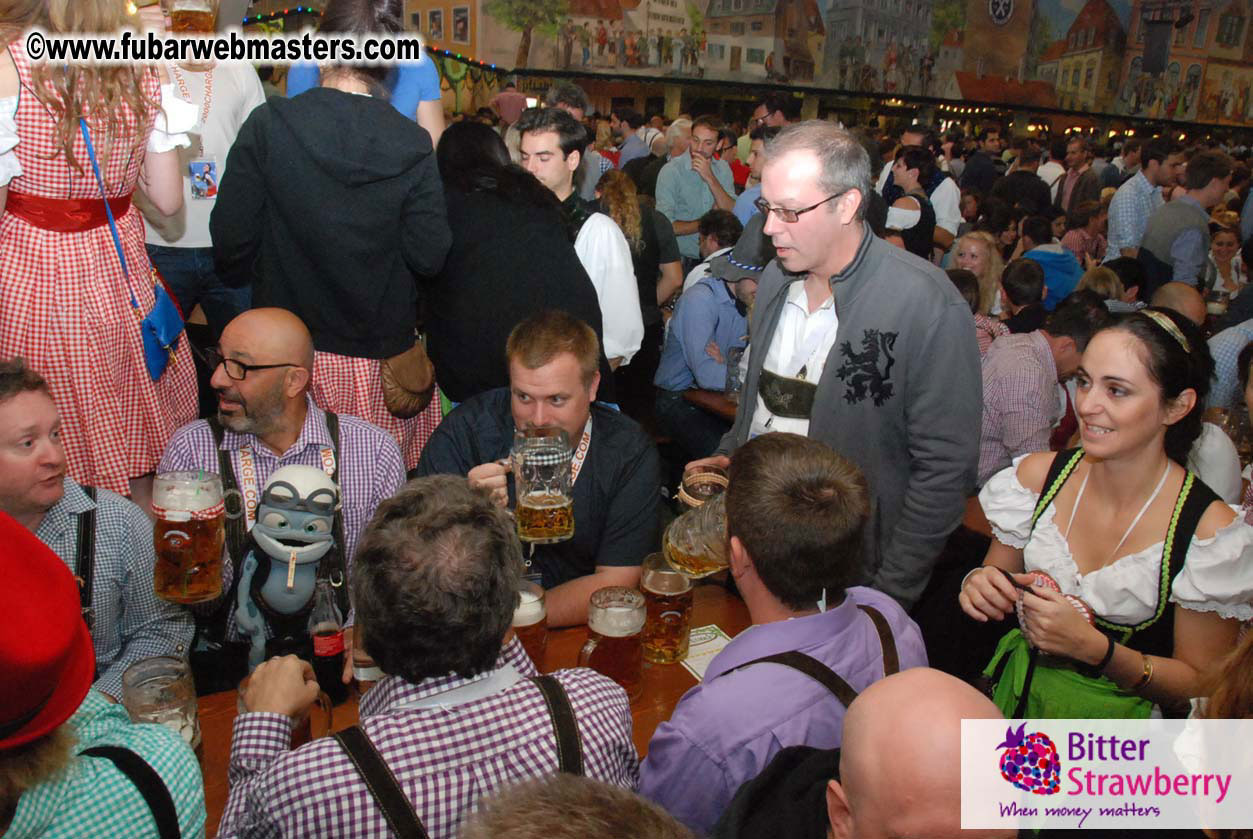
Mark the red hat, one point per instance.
(46, 654)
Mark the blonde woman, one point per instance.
(65, 302)
(1103, 281)
(978, 253)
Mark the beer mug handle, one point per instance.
(585, 654)
(324, 702)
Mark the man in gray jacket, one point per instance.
(865, 347)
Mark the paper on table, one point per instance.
(705, 643)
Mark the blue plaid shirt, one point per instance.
(131, 622)
(1225, 347)
(91, 799)
(1129, 214)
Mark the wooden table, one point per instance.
(664, 685)
(713, 401)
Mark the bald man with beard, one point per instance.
(266, 419)
(896, 774)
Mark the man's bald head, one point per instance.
(900, 761)
(275, 335)
(1183, 298)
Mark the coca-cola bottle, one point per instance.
(326, 628)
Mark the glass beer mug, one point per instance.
(695, 543)
(530, 622)
(668, 603)
(541, 470)
(615, 624)
(197, 17)
(188, 533)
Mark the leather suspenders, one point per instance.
(401, 817)
(85, 559)
(828, 678)
(149, 784)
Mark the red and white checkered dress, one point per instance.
(354, 386)
(65, 309)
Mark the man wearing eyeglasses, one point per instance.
(864, 347)
(266, 419)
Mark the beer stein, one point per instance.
(695, 543)
(159, 690)
(188, 533)
(701, 483)
(615, 625)
(541, 470)
(192, 17)
(530, 622)
(668, 603)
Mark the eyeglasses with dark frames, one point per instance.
(235, 369)
(789, 216)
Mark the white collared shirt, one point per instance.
(797, 327)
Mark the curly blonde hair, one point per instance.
(108, 97)
(621, 203)
(990, 279)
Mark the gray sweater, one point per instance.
(900, 395)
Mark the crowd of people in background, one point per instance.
(960, 365)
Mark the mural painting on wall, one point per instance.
(1086, 55)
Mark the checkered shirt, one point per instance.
(1225, 347)
(1129, 214)
(444, 759)
(370, 466)
(987, 330)
(1021, 401)
(92, 799)
(131, 622)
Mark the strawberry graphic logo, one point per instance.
(1030, 761)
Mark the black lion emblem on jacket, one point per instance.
(868, 373)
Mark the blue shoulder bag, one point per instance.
(161, 327)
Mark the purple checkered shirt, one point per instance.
(1021, 400)
(445, 759)
(370, 466)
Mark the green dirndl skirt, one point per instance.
(1055, 692)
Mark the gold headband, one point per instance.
(1169, 325)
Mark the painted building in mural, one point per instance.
(1086, 55)
(1090, 64)
(878, 45)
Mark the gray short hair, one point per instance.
(564, 806)
(435, 580)
(676, 129)
(845, 163)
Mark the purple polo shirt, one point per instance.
(725, 730)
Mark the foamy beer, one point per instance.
(615, 624)
(530, 622)
(188, 534)
(668, 603)
(695, 543)
(192, 16)
(541, 471)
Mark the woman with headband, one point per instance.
(1128, 575)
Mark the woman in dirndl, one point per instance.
(1128, 575)
(65, 303)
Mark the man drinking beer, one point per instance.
(795, 515)
(553, 360)
(104, 539)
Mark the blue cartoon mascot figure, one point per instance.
(294, 531)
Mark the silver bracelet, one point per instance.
(967, 577)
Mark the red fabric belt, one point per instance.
(64, 215)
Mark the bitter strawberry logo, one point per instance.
(1030, 762)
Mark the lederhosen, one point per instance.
(824, 675)
(1153, 636)
(225, 663)
(85, 563)
(401, 817)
